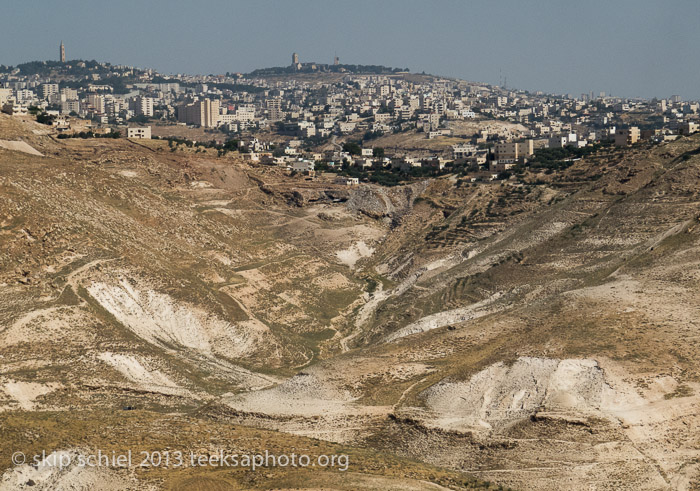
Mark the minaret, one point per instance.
(63, 53)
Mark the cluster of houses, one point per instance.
(511, 124)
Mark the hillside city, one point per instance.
(276, 118)
(373, 276)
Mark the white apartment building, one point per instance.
(143, 106)
(274, 109)
(462, 151)
(25, 95)
(97, 102)
(383, 90)
(141, 132)
(70, 106)
(5, 95)
(204, 113)
(48, 90)
(346, 127)
(430, 121)
(512, 151)
(14, 108)
(70, 94)
(382, 117)
(245, 113)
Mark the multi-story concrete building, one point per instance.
(687, 128)
(430, 121)
(48, 90)
(142, 106)
(274, 109)
(70, 94)
(558, 141)
(70, 106)
(204, 113)
(5, 95)
(514, 150)
(25, 95)
(245, 112)
(382, 117)
(383, 90)
(462, 151)
(97, 103)
(626, 136)
(302, 166)
(14, 108)
(113, 107)
(140, 132)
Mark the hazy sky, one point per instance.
(642, 48)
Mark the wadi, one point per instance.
(441, 333)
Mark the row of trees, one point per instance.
(230, 145)
(561, 158)
(90, 134)
(383, 176)
(354, 148)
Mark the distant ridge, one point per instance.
(325, 68)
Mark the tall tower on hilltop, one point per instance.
(63, 53)
(295, 59)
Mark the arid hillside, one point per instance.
(443, 333)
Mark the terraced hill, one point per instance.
(527, 333)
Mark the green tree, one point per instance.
(352, 148)
(44, 118)
(139, 119)
(231, 145)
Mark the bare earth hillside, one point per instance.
(441, 334)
